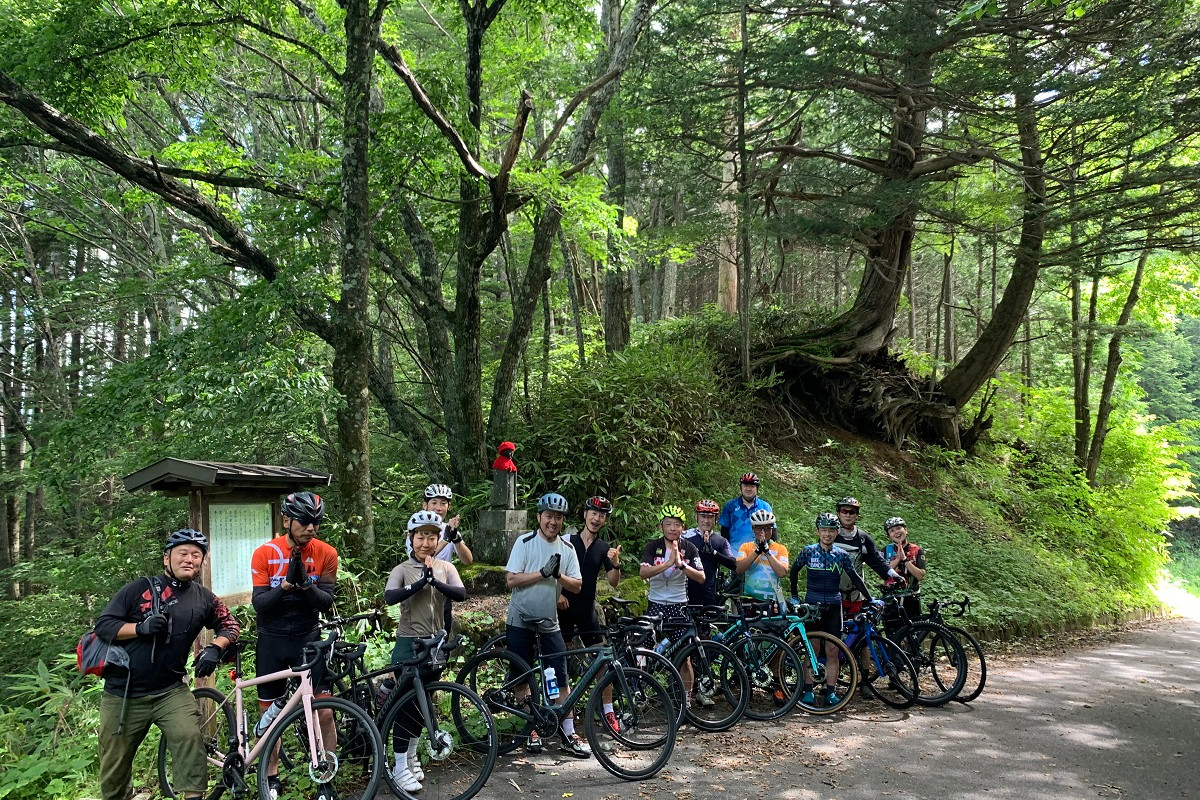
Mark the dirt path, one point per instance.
(1113, 718)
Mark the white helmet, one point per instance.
(425, 519)
(762, 517)
(438, 490)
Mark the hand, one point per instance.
(706, 547)
(877, 603)
(550, 568)
(296, 574)
(795, 602)
(614, 555)
(427, 573)
(206, 662)
(761, 547)
(152, 625)
(562, 603)
(893, 574)
(672, 556)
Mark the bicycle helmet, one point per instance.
(670, 511)
(894, 522)
(186, 536)
(751, 478)
(761, 518)
(552, 501)
(598, 503)
(827, 520)
(708, 507)
(425, 519)
(849, 502)
(303, 506)
(438, 490)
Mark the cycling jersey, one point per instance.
(760, 580)
(826, 571)
(294, 613)
(861, 549)
(735, 520)
(669, 586)
(537, 601)
(914, 553)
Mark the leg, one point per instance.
(178, 717)
(117, 750)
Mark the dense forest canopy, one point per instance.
(379, 238)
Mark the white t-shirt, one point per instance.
(538, 601)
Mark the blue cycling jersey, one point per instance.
(825, 571)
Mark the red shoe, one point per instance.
(614, 724)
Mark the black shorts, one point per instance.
(581, 621)
(274, 653)
(520, 642)
(829, 620)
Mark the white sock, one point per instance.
(608, 708)
(401, 759)
(568, 726)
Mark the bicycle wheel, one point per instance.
(216, 723)
(457, 753)
(894, 681)
(505, 682)
(351, 770)
(816, 671)
(663, 671)
(776, 674)
(940, 661)
(720, 688)
(644, 738)
(976, 665)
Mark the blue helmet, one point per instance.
(186, 536)
(552, 501)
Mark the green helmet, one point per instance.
(670, 510)
(827, 520)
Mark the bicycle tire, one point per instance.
(939, 658)
(663, 671)
(894, 682)
(354, 769)
(216, 723)
(647, 724)
(494, 676)
(776, 675)
(976, 665)
(459, 754)
(719, 677)
(815, 673)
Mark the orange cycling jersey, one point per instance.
(268, 568)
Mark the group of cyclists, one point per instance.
(553, 580)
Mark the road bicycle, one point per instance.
(885, 671)
(521, 703)
(789, 624)
(774, 667)
(976, 663)
(935, 651)
(327, 747)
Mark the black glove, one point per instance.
(706, 548)
(296, 574)
(550, 568)
(206, 662)
(152, 625)
(453, 536)
(762, 547)
(427, 574)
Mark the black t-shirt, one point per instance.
(592, 562)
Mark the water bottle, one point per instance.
(718, 637)
(551, 683)
(269, 715)
(384, 690)
(661, 647)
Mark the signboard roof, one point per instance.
(178, 474)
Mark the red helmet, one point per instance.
(708, 507)
(751, 478)
(598, 503)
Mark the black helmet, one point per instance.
(598, 503)
(186, 536)
(304, 506)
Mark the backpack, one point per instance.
(93, 655)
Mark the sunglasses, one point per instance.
(853, 511)
(306, 521)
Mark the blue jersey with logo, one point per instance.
(736, 517)
(825, 571)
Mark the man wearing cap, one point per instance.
(156, 621)
(735, 516)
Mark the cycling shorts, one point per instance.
(275, 653)
(829, 619)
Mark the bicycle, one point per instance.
(880, 658)
(976, 664)
(935, 651)
(791, 628)
(638, 747)
(774, 667)
(349, 766)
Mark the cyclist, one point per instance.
(422, 585)
(763, 561)
(539, 564)
(668, 563)
(577, 610)
(860, 547)
(294, 578)
(735, 516)
(907, 559)
(153, 690)
(827, 566)
(437, 499)
(715, 553)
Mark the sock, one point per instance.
(608, 708)
(568, 726)
(401, 758)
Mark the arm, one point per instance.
(724, 555)
(745, 560)
(794, 573)
(874, 559)
(612, 566)
(452, 587)
(460, 545)
(912, 567)
(778, 566)
(319, 595)
(398, 594)
(224, 624)
(265, 597)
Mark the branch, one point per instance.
(583, 94)
(500, 186)
(873, 165)
(395, 59)
(944, 162)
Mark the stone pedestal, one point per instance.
(504, 489)
(498, 529)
